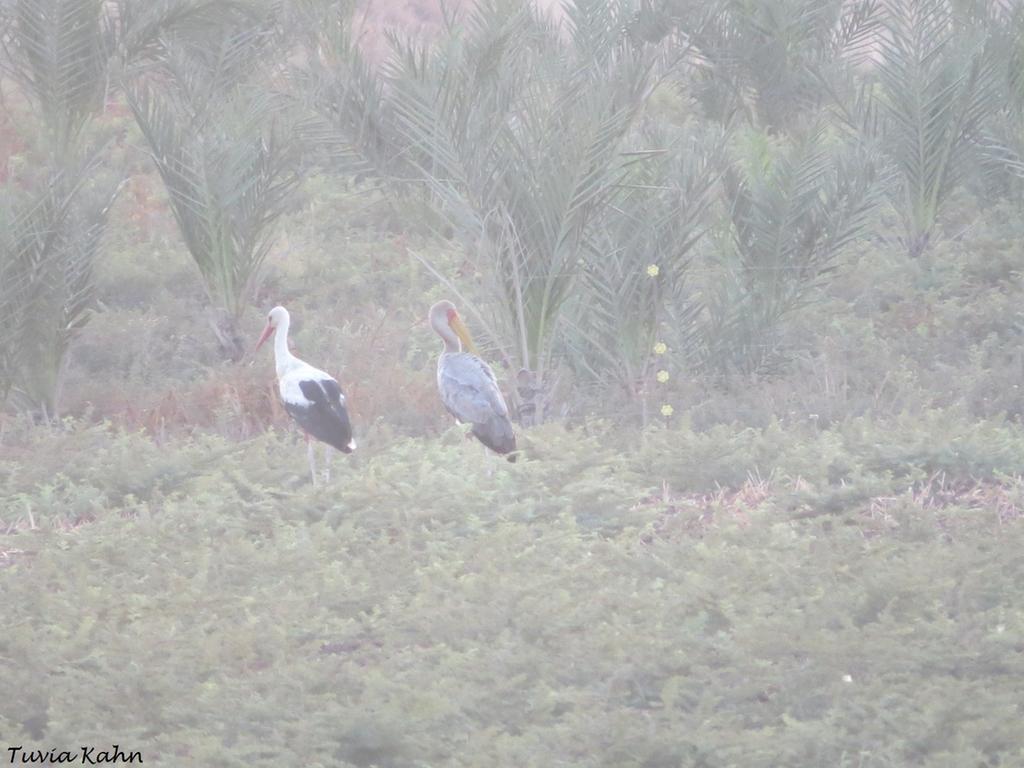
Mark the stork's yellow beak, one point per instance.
(463, 333)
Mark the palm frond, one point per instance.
(518, 140)
(769, 60)
(793, 208)
(29, 232)
(46, 286)
(657, 221)
(56, 51)
(229, 176)
(141, 32)
(940, 82)
(349, 121)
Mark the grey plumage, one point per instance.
(470, 393)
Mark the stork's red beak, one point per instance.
(266, 335)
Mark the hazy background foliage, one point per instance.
(748, 272)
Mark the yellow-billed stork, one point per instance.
(467, 385)
(311, 397)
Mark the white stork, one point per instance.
(467, 385)
(310, 396)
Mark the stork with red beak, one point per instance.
(311, 397)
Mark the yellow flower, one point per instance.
(667, 410)
(662, 377)
(653, 270)
(660, 348)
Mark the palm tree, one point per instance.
(775, 62)
(225, 151)
(636, 281)
(939, 79)
(340, 86)
(793, 205)
(55, 52)
(1003, 137)
(518, 136)
(229, 177)
(67, 57)
(29, 231)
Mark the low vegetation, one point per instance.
(841, 601)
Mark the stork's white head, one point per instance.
(447, 323)
(278, 317)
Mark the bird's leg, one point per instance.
(327, 463)
(488, 462)
(311, 451)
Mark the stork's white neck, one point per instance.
(452, 345)
(283, 359)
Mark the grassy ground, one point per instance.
(839, 602)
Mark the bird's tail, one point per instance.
(498, 435)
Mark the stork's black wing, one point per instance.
(325, 417)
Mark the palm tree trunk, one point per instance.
(229, 338)
(532, 397)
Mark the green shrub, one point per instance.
(202, 603)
